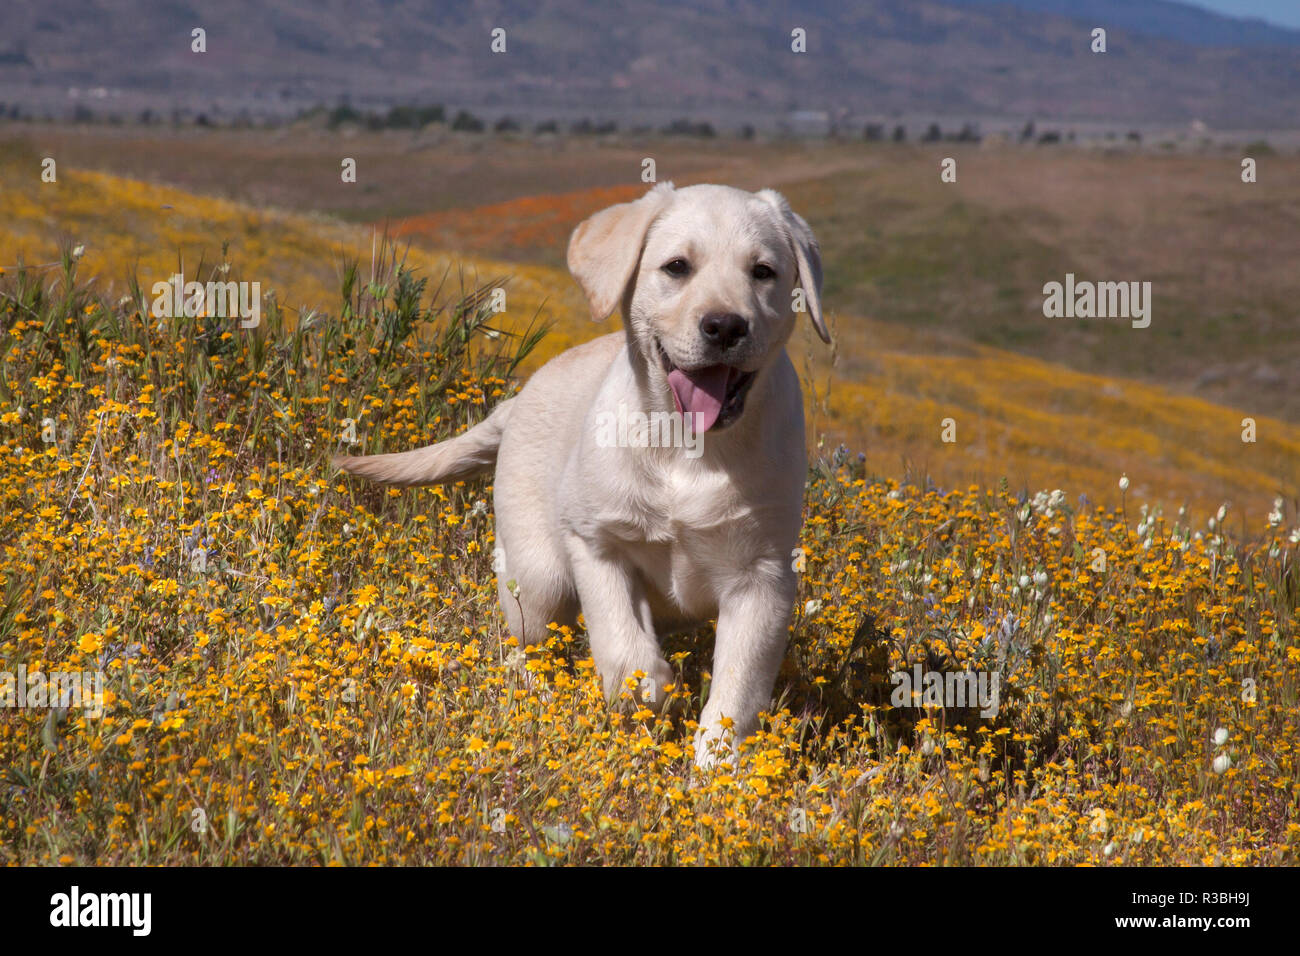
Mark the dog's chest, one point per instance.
(686, 532)
(689, 527)
(686, 504)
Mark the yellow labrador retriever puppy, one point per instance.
(654, 478)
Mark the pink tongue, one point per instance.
(701, 392)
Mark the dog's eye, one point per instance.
(763, 272)
(676, 267)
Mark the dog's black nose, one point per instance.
(723, 329)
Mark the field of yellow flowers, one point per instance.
(305, 670)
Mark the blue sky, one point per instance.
(1284, 12)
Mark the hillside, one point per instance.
(1185, 23)
(940, 266)
(730, 58)
(1036, 424)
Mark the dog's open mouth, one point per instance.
(714, 395)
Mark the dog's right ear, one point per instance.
(605, 249)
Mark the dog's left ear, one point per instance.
(807, 254)
(605, 249)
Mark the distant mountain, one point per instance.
(621, 58)
(1157, 18)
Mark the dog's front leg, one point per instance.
(753, 630)
(619, 624)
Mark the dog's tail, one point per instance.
(468, 454)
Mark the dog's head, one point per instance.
(706, 277)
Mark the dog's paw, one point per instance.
(648, 686)
(714, 746)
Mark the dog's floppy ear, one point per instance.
(605, 249)
(807, 254)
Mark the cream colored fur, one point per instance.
(646, 539)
